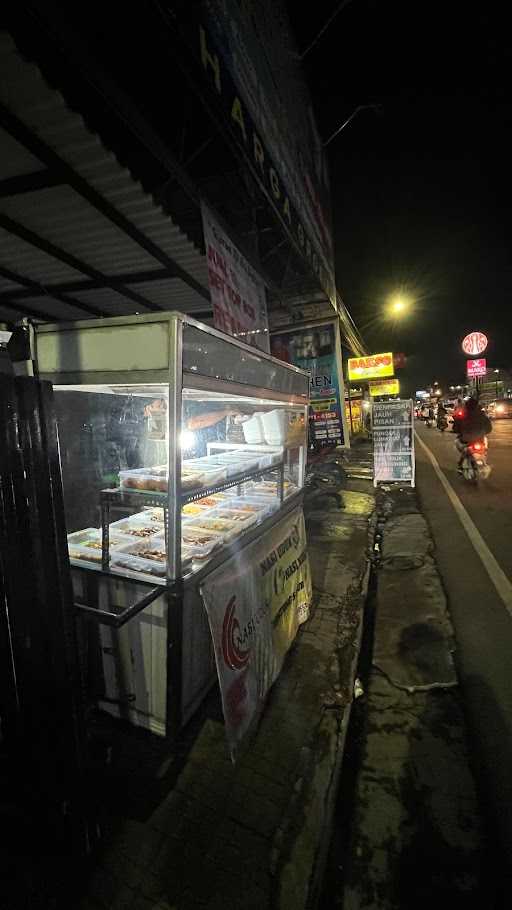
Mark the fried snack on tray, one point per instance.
(199, 538)
(157, 555)
(140, 532)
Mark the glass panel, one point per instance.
(114, 437)
(237, 451)
(239, 454)
(208, 355)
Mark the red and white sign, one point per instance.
(238, 293)
(476, 368)
(475, 343)
(255, 603)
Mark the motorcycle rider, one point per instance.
(458, 414)
(441, 416)
(474, 425)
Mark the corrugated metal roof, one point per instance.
(85, 243)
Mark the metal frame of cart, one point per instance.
(181, 353)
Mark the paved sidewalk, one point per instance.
(416, 836)
(255, 835)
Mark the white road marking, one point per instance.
(493, 569)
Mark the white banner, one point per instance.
(255, 604)
(237, 292)
(393, 441)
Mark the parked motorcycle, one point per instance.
(474, 465)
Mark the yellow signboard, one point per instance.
(373, 366)
(384, 387)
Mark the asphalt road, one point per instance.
(482, 622)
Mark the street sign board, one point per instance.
(476, 367)
(372, 366)
(384, 387)
(393, 441)
(474, 344)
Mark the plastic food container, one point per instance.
(86, 545)
(209, 473)
(147, 556)
(243, 519)
(236, 464)
(253, 430)
(212, 501)
(270, 488)
(227, 529)
(139, 526)
(200, 542)
(142, 480)
(259, 506)
(192, 509)
(275, 426)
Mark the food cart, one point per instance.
(179, 447)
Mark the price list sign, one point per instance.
(393, 441)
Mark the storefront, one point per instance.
(183, 457)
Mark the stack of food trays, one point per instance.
(137, 543)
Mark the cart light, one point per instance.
(188, 440)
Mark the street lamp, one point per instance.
(399, 305)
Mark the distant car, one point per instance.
(500, 408)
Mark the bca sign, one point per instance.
(474, 344)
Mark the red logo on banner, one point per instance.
(234, 655)
(476, 368)
(474, 343)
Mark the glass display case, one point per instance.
(178, 446)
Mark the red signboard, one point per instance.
(476, 368)
(474, 343)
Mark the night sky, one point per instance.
(421, 192)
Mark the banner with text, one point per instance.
(255, 603)
(383, 387)
(237, 292)
(393, 441)
(314, 349)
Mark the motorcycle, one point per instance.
(442, 424)
(473, 466)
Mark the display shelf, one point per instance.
(221, 556)
(234, 481)
(137, 498)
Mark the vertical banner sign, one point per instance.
(255, 603)
(393, 441)
(314, 350)
(476, 368)
(238, 294)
